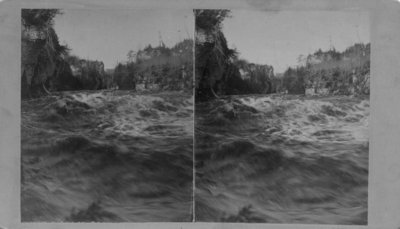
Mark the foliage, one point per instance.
(39, 18)
(331, 72)
(209, 20)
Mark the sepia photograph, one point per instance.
(282, 116)
(107, 115)
(191, 114)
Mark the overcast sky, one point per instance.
(264, 37)
(278, 38)
(108, 35)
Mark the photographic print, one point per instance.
(106, 115)
(281, 116)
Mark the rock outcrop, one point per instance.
(41, 53)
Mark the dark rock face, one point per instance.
(90, 73)
(36, 67)
(258, 77)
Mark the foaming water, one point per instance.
(314, 119)
(282, 159)
(107, 156)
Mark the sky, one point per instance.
(275, 38)
(108, 35)
(278, 38)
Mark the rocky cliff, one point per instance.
(41, 53)
(47, 66)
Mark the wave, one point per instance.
(302, 119)
(282, 159)
(107, 157)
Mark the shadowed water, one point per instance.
(282, 159)
(107, 156)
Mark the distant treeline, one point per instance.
(48, 66)
(159, 68)
(330, 72)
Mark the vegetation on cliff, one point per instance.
(160, 68)
(219, 70)
(47, 66)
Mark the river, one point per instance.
(282, 159)
(107, 156)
